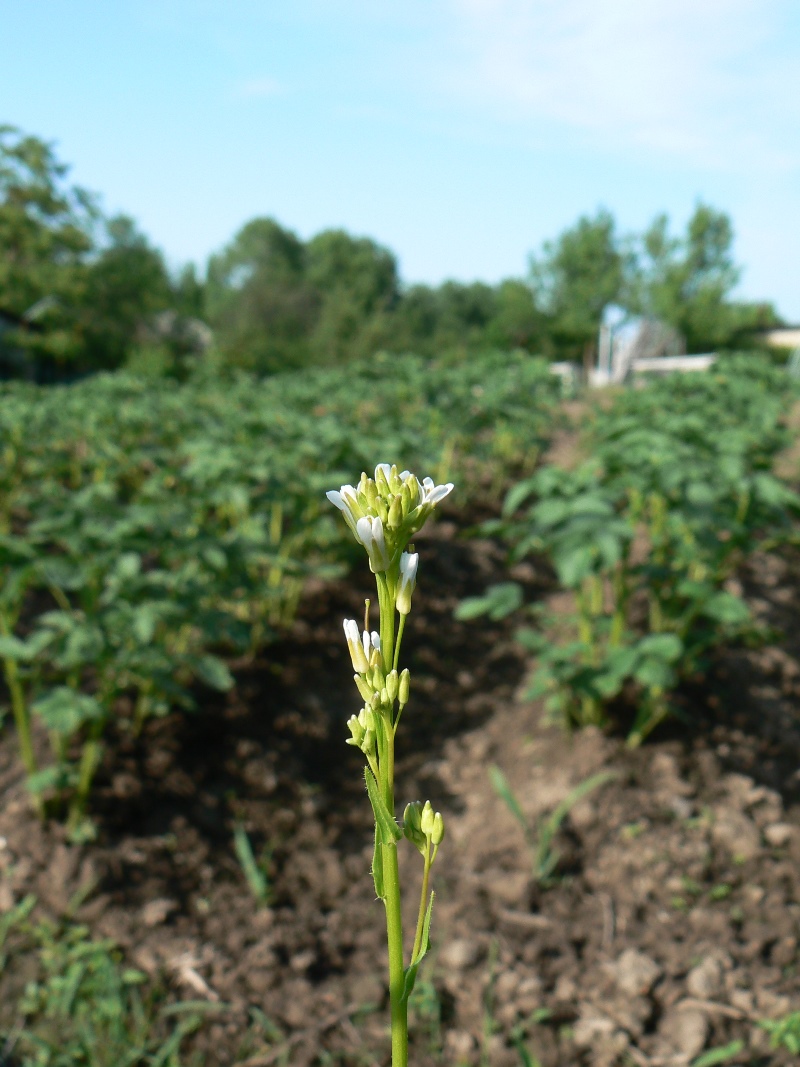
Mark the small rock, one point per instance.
(779, 834)
(685, 1030)
(565, 989)
(743, 1000)
(590, 1026)
(784, 952)
(705, 980)
(506, 986)
(460, 954)
(736, 832)
(508, 890)
(635, 973)
(158, 911)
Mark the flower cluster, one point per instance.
(386, 511)
(379, 689)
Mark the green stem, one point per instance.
(22, 719)
(400, 629)
(423, 902)
(394, 933)
(89, 762)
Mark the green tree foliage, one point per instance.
(77, 289)
(576, 277)
(126, 284)
(688, 282)
(45, 237)
(259, 301)
(357, 287)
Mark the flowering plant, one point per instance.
(383, 514)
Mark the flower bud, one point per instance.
(408, 580)
(376, 660)
(363, 687)
(357, 730)
(377, 679)
(355, 646)
(367, 745)
(411, 826)
(392, 685)
(404, 687)
(437, 835)
(395, 518)
(426, 819)
(381, 481)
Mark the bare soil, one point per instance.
(673, 924)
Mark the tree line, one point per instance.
(81, 292)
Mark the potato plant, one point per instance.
(153, 533)
(647, 533)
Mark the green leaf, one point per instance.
(213, 672)
(65, 711)
(389, 832)
(727, 608)
(506, 793)
(719, 1055)
(665, 647)
(498, 602)
(14, 649)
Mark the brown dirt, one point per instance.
(674, 923)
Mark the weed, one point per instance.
(544, 858)
(255, 871)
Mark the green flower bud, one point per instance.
(357, 730)
(438, 829)
(377, 679)
(381, 482)
(376, 660)
(392, 685)
(367, 745)
(411, 826)
(404, 687)
(363, 686)
(426, 819)
(394, 480)
(395, 518)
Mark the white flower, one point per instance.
(408, 580)
(346, 500)
(370, 533)
(371, 641)
(356, 646)
(432, 494)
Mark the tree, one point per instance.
(46, 235)
(259, 301)
(126, 284)
(356, 283)
(575, 278)
(687, 282)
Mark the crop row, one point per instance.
(647, 534)
(152, 533)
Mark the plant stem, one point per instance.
(90, 760)
(423, 903)
(22, 719)
(394, 933)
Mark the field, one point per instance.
(603, 648)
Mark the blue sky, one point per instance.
(459, 133)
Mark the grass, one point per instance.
(81, 1005)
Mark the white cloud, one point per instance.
(706, 80)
